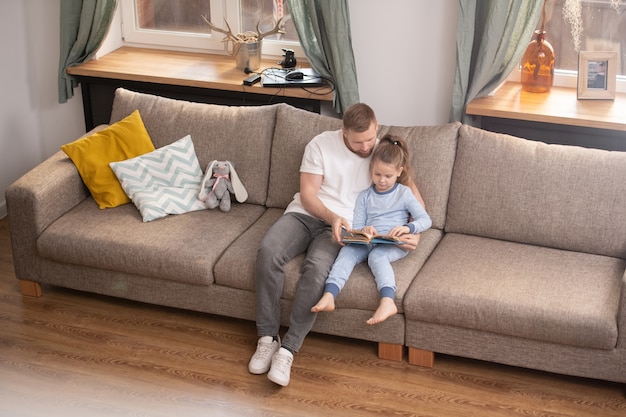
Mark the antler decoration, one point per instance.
(278, 28)
(230, 36)
(245, 37)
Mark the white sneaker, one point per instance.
(280, 371)
(262, 358)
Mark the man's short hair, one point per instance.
(358, 117)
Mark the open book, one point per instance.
(362, 238)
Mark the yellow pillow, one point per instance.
(125, 139)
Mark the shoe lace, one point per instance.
(263, 350)
(282, 363)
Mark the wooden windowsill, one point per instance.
(185, 69)
(559, 106)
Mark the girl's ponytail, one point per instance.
(394, 150)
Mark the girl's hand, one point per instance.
(370, 230)
(399, 231)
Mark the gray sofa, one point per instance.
(524, 264)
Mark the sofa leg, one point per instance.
(421, 357)
(390, 352)
(30, 288)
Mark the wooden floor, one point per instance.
(75, 354)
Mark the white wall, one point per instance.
(405, 53)
(404, 50)
(32, 123)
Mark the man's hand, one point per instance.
(410, 241)
(338, 223)
(309, 187)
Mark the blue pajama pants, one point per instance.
(379, 258)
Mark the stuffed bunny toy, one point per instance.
(221, 179)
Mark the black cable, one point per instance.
(279, 73)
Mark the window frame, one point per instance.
(221, 10)
(568, 78)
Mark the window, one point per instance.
(179, 23)
(602, 27)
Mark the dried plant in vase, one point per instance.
(572, 14)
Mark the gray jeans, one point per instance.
(290, 236)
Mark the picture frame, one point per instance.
(597, 75)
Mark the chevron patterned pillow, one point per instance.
(164, 181)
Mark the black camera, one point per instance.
(289, 59)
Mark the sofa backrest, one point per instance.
(524, 191)
(247, 144)
(267, 146)
(294, 129)
(432, 150)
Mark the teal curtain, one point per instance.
(492, 36)
(84, 25)
(323, 27)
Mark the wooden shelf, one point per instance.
(217, 72)
(197, 77)
(559, 106)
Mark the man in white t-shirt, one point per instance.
(334, 169)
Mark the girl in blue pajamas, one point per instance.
(384, 208)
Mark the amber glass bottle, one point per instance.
(538, 65)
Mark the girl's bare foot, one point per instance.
(386, 308)
(326, 303)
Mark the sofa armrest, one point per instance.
(34, 201)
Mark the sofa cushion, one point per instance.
(531, 192)
(92, 154)
(519, 290)
(432, 150)
(247, 144)
(360, 291)
(294, 129)
(236, 268)
(177, 248)
(165, 181)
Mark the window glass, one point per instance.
(172, 15)
(266, 13)
(601, 27)
(179, 23)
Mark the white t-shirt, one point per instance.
(345, 174)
